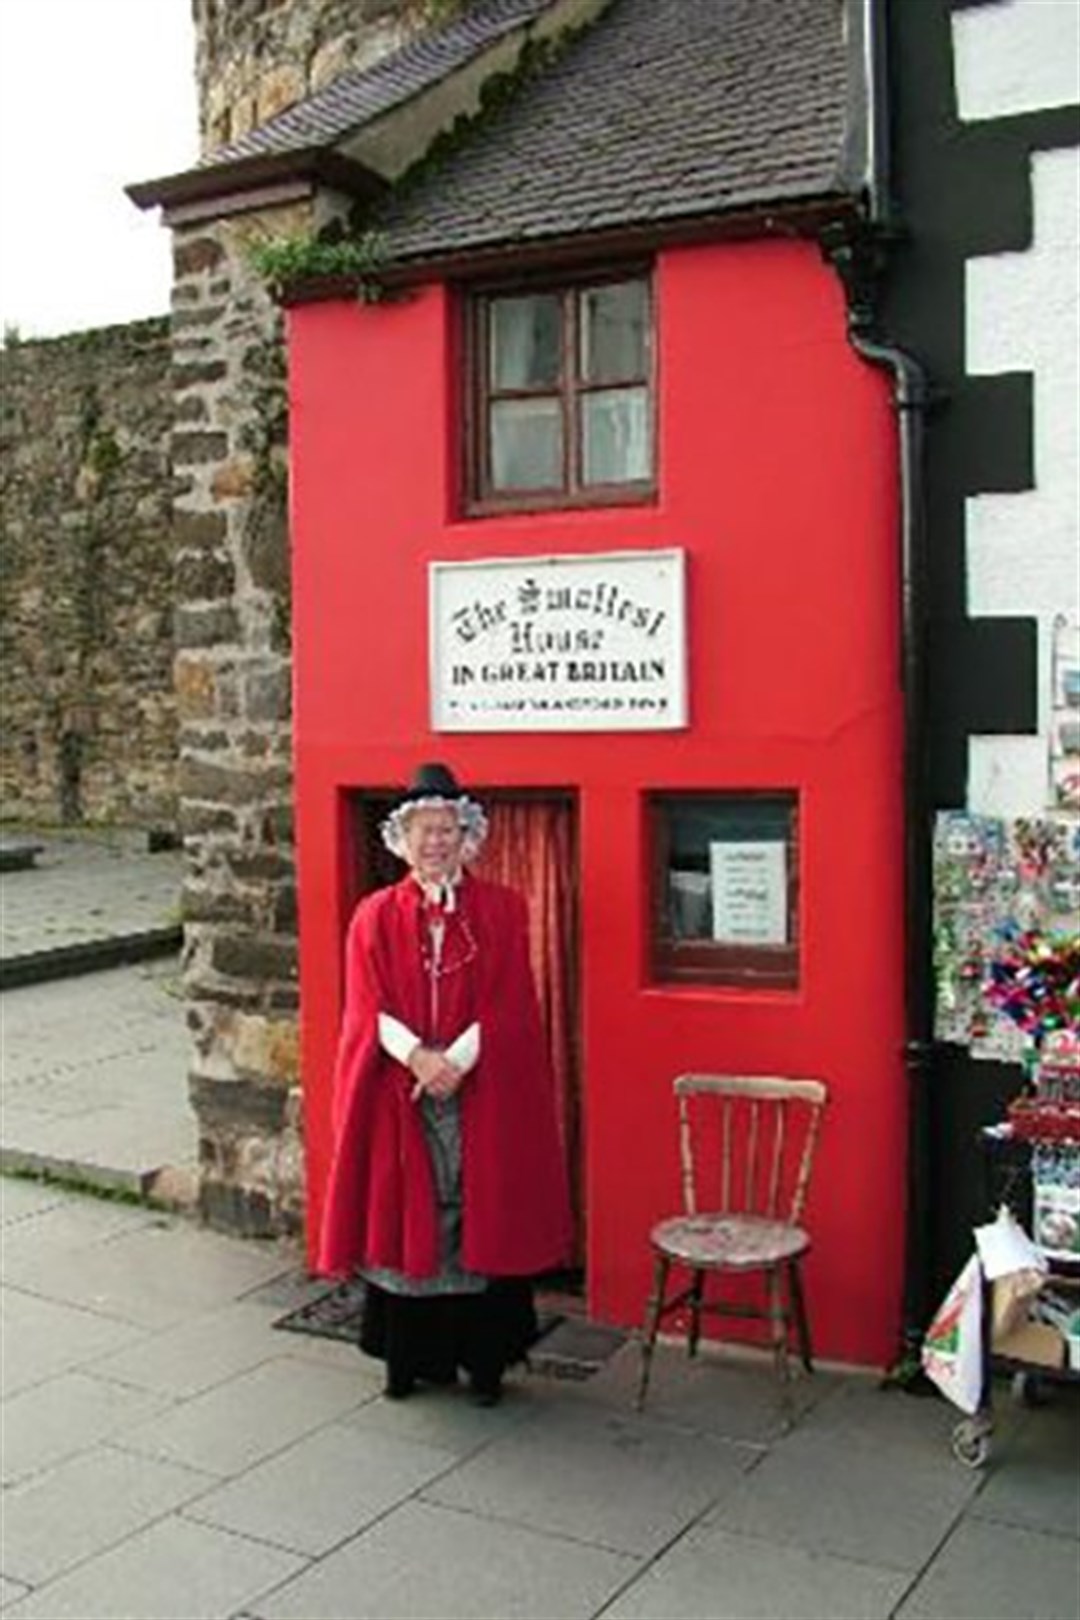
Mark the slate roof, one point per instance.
(661, 110)
(360, 95)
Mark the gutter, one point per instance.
(859, 257)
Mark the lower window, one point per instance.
(725, 888)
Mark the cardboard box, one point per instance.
(1036, 1342)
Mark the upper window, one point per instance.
(562, 395)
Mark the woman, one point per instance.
(447, 1190)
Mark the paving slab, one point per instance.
(997, 1572)
(65, 1415)
(209, 1349)
(1033, 1477)
(424, 1562)
(154, 1274)
(449, 1419)
(20, 1199)
(10, 1590)
(174, 1570)
(322, 1490)
(732, 1399)
(859, 1412)
(93, 1087)
(869, 1503)
(87, 888)
(727, 1577)
(623, 1483)
(41, 1337)
(239, 1423)
(85, 1505)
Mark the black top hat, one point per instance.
(432, 781)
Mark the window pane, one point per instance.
(725, 909)
(614, 332)
(526, 341)
(615, 436)
(526, 444)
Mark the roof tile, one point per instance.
(360, 95)
(661, 109)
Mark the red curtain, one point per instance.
(530, 847)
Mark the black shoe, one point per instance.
(445, 1378)
(398, 1386)
(487, 1392)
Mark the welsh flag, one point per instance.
(952, 1352)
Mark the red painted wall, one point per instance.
(777, 474)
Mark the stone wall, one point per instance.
(256, 57)
(233, 668)
(89, 730)
(233, 687)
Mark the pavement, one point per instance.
(168, 1452)
(84, 902)
(93, 1086)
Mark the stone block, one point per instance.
(207, 906)
(283, 998)
(238, 1107)
(268, 694)
(229, 1208)
(268, 865)
(266, 1046)
(206, 626)
(196, 531)
(195, 449)
(234, 479)
(191, 409)
(205, 315)
(196, 820)
(201, 985)
(204, 576)
(279, 88)
(241, 956)
(266, 550)
(240, 786)
(189, 374)
(285, 910)
(193, 257)
(195, 684)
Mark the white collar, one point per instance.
(442, 892)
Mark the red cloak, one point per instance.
(380, 1205)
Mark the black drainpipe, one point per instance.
(857, 251)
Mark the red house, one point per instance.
(612, 386)
(598, 504)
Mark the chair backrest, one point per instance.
(747, 1143)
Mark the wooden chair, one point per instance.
(753, 1142)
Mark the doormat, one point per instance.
(567, 1346)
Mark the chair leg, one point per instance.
(652, 1324)
(697, 1289)
(798, 1306)
(779, 1324)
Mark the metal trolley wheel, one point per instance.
(972, 1440)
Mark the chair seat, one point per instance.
(731, 1241)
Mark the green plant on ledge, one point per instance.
(290, 261)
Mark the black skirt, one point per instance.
(428, 1338)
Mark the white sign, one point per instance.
(569, 643)
(749, 893)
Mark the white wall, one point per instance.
(1023, 314)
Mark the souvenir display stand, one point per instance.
(1030, 1317)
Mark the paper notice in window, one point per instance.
(749, 893)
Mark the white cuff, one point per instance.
(465, 1050)
(397, 1039)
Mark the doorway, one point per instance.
(531, 847)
